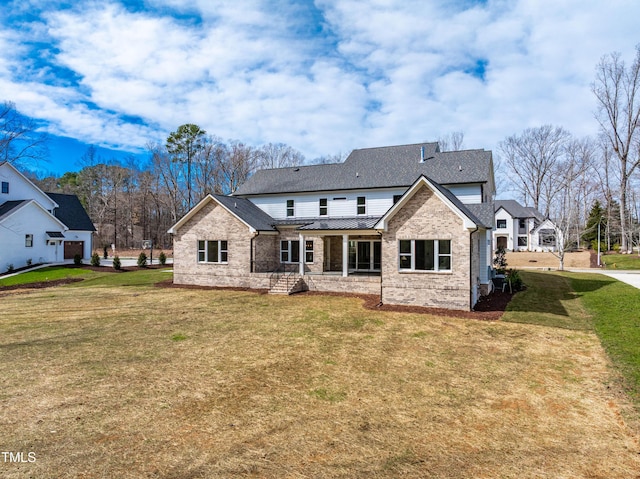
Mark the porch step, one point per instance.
(296, 284)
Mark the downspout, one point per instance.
(380, 303)
(251, 255)
(471, 265)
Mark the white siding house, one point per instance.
(36, 227)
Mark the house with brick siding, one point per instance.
(409, 223)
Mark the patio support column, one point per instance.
(345, 255)
(301, 252)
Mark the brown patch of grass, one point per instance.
(299, 386)
(525, 259)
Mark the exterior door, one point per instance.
(501, 241)
(72, 248)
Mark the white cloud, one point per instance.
(382, 72)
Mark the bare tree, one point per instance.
(20, 140)
(238, 163)
(616, 89)
(533, 157)
(329, 159)
(451, 141)
(278, 155)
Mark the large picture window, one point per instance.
(212, 251)
(425, 255)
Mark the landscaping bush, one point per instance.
(500, 260)
(142, 260)
(514, 279)
(29, 262)
(116, 263)
(10, 268)
(77, 259)
(95, 259)
(162, 258)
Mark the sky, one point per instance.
(324, 76)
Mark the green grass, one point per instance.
(107, 278)
(45, 274)
(621, 261)
(615, 309)
(548, 301)
(587, 301)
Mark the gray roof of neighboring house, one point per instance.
(8, 206)
(71, 212)
(516, 210)
(383, 167)
(247, 212)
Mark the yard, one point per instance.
(113, 377)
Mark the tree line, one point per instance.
(579, 183)
(586, 183)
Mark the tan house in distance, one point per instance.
(409, 223)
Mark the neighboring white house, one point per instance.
(521, 228)
(39, 227)
(409, 223)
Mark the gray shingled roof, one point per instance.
(384, 167)
(484, 213)
(71, 212)
(516, 210)
(8, 206)
(247, 212)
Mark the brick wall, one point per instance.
(212, 222)
(425, 216)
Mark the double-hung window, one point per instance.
(425, 255)
(28, 241)
(324, 210)
(291, 208)
(212, 251)
(5, 187)
(308, 251)
(362, 205)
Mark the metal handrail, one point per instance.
(275, 276)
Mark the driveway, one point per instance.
(629, 277)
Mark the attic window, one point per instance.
(5, 187)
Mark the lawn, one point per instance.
(621, 261)
(112, 377)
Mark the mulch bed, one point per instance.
(488, 308)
